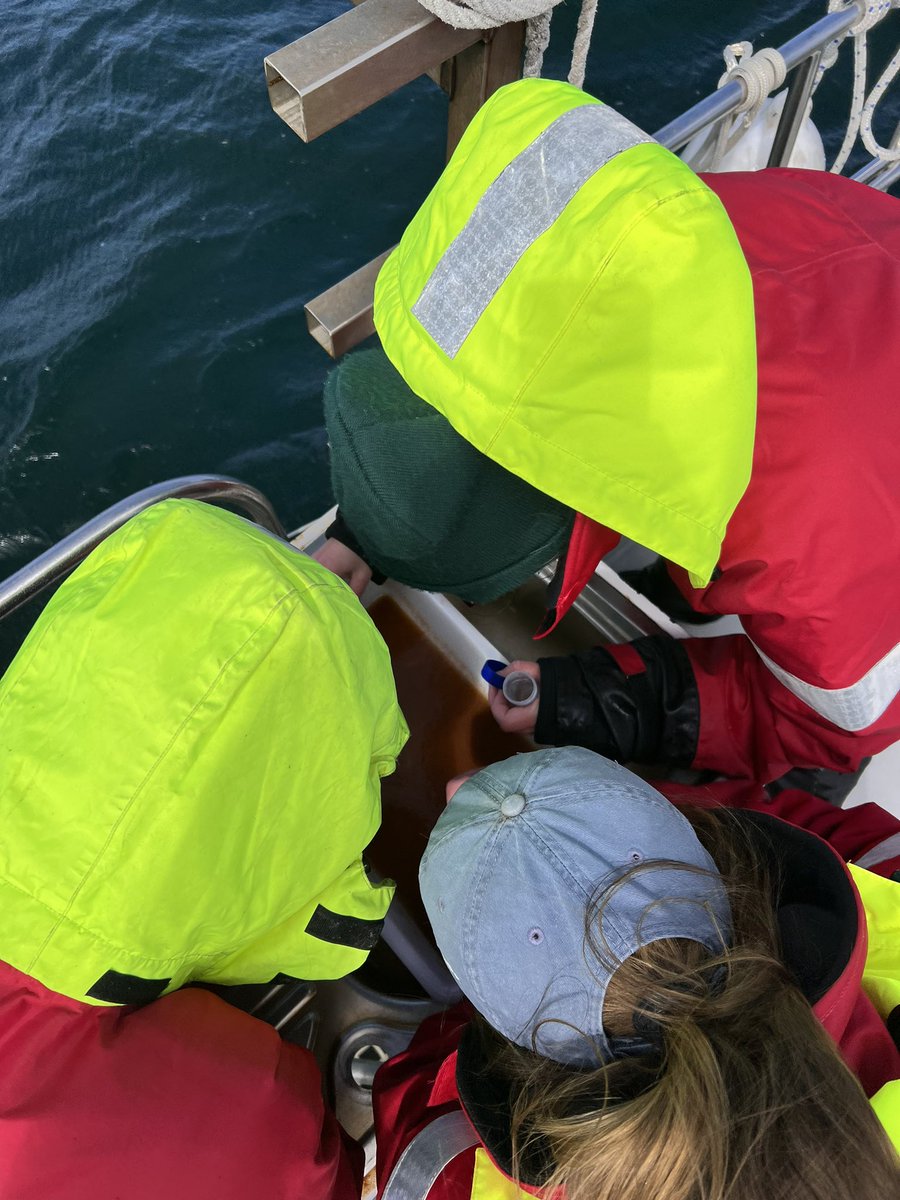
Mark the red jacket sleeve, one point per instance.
(751, 726)
(415, 1088)
(239, 1109)
(863, 832)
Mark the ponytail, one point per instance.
(738, 1093)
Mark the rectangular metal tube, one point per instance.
(363, 55)
(341, 317)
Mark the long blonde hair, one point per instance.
(745, 1097)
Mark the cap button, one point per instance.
(512, 805)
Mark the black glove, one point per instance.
(652, 716)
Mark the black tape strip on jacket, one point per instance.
(116, 988)
(654, 716)
(333, 927)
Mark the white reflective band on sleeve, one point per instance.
(889, 848)
(521, 204)
(852, 708)
(426, 1156)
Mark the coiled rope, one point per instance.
(862, 110)
(487, 14)
(762, 73)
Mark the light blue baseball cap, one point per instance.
(518, 862)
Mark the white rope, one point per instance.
(762, 73)
(582, 42)
(861, 109)
(487, 14)
(537, 39)
(885, 153)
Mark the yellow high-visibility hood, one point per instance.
(575, 301)
(194, 734)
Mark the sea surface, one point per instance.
(161, 228)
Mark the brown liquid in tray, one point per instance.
(451, 730)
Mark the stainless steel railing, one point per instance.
(802, 55)
(60, 559)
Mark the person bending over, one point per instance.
(700, 365)
(193, 735)
(661, 1002)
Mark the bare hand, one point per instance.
(516, 718)
(343, 562)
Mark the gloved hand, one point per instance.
(647, 713)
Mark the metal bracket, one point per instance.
(347, 65)
(341, 317)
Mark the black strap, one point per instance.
(341, 930)
(117, 988)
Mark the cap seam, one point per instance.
(470, 917)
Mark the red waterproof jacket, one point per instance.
(811, 557)
(183, 1099)
(442, 1069)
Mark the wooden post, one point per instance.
(478, 72)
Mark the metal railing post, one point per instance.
(794, 112)
(60, 559)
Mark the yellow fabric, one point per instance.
(194, 734)
(490, 1184)
(615, 367)
(881, 974)
(886, 1103)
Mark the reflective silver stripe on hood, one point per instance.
(521, 204)
(889, 848)
(852, 708)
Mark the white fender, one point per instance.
(751, 152)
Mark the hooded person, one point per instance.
(700, 366)
(194, 734)
(662, 1002)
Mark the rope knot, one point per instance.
(761, 74)
(488, 14)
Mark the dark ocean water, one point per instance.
(160, 229)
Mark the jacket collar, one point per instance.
(589, 542)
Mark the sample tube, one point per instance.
(518, 687)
